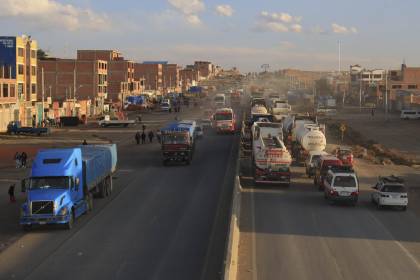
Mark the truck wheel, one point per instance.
(101, 189)
(89, 203)
(188, 162)
(70, 223)
(404, 208)
(111, 187)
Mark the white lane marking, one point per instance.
(253, 238)
(406, 252)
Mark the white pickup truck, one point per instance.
(108, 121)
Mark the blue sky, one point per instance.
(243, 33)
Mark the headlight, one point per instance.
(63, 211)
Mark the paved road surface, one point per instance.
(294, 234)
(161, 223)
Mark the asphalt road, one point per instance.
(160, 223)
(293, 233)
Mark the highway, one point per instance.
(160, 223)
(293, 233)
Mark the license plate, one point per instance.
(42, 223)
(344, 193)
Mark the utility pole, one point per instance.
(339, 56)
(74, 90)
(360, 94)
(43, 92)
(386, 94)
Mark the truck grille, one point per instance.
(42, 207)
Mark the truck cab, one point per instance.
(55, 193)
(224, 120)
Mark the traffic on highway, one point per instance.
(194, 140)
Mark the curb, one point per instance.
(231, 260)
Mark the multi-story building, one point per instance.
(71, 80)
(170, 77)
(188, 77)
(151, 72)
(205, 69)
(18, 79)
(121, 79)
(404, 87)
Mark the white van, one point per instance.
(410, 114)
(220, 100)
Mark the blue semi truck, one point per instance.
(63, 183)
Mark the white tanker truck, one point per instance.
(307, 137)
(270, 158)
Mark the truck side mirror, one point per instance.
(23, 185)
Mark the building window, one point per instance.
(396, 86)
(20, 69)
(99, 89)
(377, 76)
(33, 88)
(20, 52)
(20, 91)
(5, 90)
(412, 86)
(33, 54)
(33, 69)
(12, 90)
(105, 89)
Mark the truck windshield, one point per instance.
(49, 183)
(175, 139)
(223, 117)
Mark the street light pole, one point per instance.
(386, 94)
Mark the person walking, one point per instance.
(11, 193)
(143, 127)
(373, 112)
(151, 136)
(84, 142)
(143, 137)
(158, 136)
(17, 160)
(23, 158)
(137, 137)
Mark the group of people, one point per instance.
(141, 137)
(21, 159)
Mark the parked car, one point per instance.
(311, 160)
(345, 154)
(341, 184)
(410, 114)
(326, 163)
(390, 191)
(166, 105)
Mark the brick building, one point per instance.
(404, 87)
(18, 79)
(205, 69)
(170, 78)
(74, 79)
(121, 79)
(188, 77)
(151, 72)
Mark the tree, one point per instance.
(41, 54)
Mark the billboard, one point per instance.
(8, 53)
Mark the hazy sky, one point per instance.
(243, 33)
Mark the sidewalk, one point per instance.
(10, 212)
